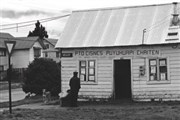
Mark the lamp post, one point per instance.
(9, 46)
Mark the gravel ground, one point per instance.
(96, 111)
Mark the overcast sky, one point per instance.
(17, 11)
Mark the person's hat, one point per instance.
(75, 72)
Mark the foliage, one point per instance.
(38, 31)
(42, 73)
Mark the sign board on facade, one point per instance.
(66, 55)
(126, 52)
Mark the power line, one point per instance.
(158, 23)
(164, 20)
(30, 22)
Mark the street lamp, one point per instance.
(9, 46)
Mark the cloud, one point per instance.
(18, 14)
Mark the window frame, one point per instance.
(3, 52)
(46, 54)
(1, 66)
(158, 80)
(57, 54)
(39, 51)
(86, 70)
(47, 46)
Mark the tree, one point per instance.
(41, 74)
(38, 31)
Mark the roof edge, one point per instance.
(123, 7)
(119, 46)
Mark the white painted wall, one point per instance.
(142, 89)
(4, 61)
(31, 51)
(51, 52)
(20, 58)
(167, 90)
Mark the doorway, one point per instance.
(122, 79)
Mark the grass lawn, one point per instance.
(100, 111)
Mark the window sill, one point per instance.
(159, 82)
(89, 83)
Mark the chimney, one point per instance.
(175, 19)
(173, 33)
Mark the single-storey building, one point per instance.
(124, 52)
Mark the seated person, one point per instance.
(65, 99)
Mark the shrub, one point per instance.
(41, 74)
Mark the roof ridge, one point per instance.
(122, 7)
(21, 38)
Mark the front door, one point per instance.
(122, 79)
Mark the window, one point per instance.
(47, 46)
(1, 68)
(37, 52)
(46, 54)
(57, 54)
(158, 69)
(2, 52)
(87, 70)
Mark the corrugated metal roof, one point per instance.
(51, 40)
(21, 42)
(4, 36)
(25, 42)
(117, 26)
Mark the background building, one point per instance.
(50, 51)
(25, 51)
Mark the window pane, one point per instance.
(91, 71)
(153, 70)
(153, 77)
(162, 62)
(57, 54)
(83, 71)
(2, 52)
(47, 46)
(46, 54)
(91, 63)
(1, 68)
(152, 62)
(163, 69)
(82, 68)
(91, 78)
(37, 52)
(163, 76)
(83, 77)
(82, 63)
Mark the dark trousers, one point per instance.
(73, 101)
